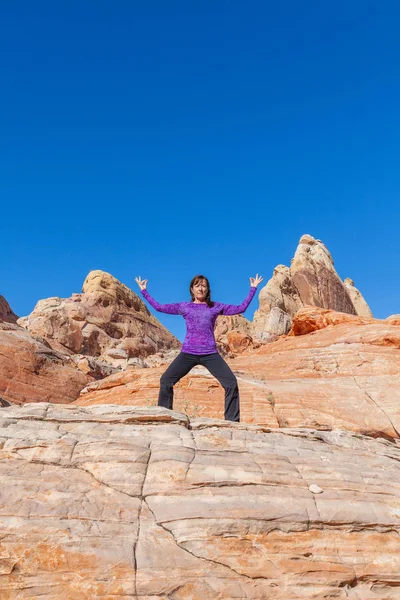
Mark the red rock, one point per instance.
(6, 313)
(30, 371)
(311, 318)
(311, 280)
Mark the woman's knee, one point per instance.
(165, 380)
(230, 382)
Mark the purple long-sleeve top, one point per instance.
(200, 320)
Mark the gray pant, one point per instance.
(184, 362)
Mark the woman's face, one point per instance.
(199, 290)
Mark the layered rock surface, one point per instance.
(31, 371)
(345, 373)
(310, 280)
(143, 503)
(107, 321)
(310, 319)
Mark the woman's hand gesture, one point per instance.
(141, 282)
(255, 281)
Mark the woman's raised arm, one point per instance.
(171, 309)
(232, 309)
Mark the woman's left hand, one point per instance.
(255, 281)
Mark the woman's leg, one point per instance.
(179, 367)
(222, 371)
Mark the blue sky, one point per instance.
(166, 139)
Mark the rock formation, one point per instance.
(7, 315)
(316, 279)
(31, 371)
(310, 280)
(311, 318)
(344, 374)
(233, 335)
(107, 321)
(279, 301)
(143, 503)
(357, 299)
(104, 495)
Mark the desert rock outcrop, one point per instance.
(310, 280)
(107, 321)
(138, 503)
(311, 318)
(31, 371)
(279, 300)
(344, 373)
(359, 303)
(234, 334)
(315, 277)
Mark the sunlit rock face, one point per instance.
(107, 320)
(310, 280)
(31, 371)
(335, 371)
(357, 299)
(310, 318)
(314, 275)
(144, 503)
(234, 334)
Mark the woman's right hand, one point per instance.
(141, 282)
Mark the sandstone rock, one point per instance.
(280, 292)
(30, 371)
(279, 300)
(93, 367)
(107, 321)
(344, 376)
(160, 358)
(315, 277)
(272, 324)
(6, 313)
(311, 318)
(125, 502)
(311, 280)
(357, 299)
(233, 335)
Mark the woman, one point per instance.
(199, 347)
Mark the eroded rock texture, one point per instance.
(31, 371)
(107, 321)
(315, 277)
(310, 280)
(141, 503)
(234, 334)
(311, 318)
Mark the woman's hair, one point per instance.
(195, 280)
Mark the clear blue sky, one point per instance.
(166, 139)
